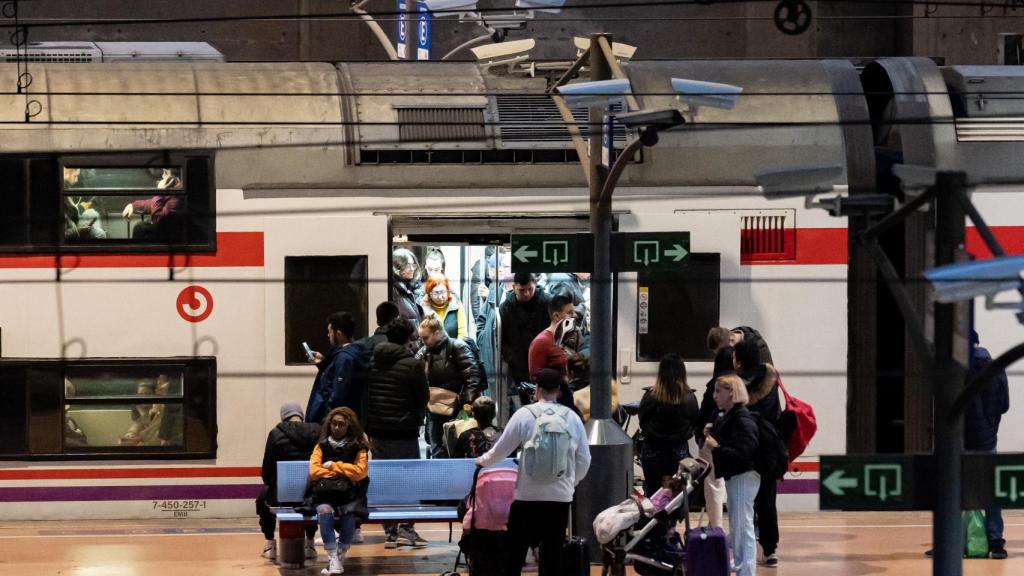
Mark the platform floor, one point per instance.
(837, 544)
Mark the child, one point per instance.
(474, 442)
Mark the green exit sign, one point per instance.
(552, 253)
(642, 251)
(867, 482)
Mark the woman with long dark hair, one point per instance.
(668, 413)
(338, 470)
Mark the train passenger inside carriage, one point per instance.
(166, 211)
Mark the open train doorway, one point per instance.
(462, 272)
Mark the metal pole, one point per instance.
(611, 469)
(948, 378)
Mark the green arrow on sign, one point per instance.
(836, 483)
(524, 254)
(677, 251)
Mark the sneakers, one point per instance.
(409, 537)
(391, 541)
(771, 560)
(310, 549)
(270, 550)
(997, 549)
(357, 538)
(334, 566)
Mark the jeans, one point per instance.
(533, 523)
(714, 491)
(346, 526)
(742, 490)
(435, 434)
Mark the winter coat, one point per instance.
(738, 439)
(520, 324)
(379, 336)
(763, 388)
(667, 425)
(983, 414)
(451, 365)
(287, 441)
(336, 382)
(403, 295)
(566, 285)
(349, 461)
(452, 316)
(396, 393)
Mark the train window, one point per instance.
(314, 288)
(110, 408)
(677, 308)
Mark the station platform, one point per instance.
(838, 544)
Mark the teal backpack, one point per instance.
(547, 453)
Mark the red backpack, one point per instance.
(797, 424)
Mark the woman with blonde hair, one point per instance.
(439, 300)
(338, 472)
(734, 439)
(668, 412)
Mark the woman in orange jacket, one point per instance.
(340, 454)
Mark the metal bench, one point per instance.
(400, 491)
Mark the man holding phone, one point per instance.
(334, 385)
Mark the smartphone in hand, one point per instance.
(309, 353)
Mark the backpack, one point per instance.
(771, 458)
(762, 344)
(797, 424)
(546, 454)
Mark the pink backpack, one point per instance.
(495, 491)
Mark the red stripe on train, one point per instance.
(234, 250)
(114, 473)
(1010, 237)
(814, 247)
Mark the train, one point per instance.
(291, 184)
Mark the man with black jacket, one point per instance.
(291, 439)
(762, 382)
(522, 317)
(396, 396)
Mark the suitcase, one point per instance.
(575, 557)
(707, 552)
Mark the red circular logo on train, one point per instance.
(195, 304)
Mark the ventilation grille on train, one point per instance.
(427, 125)
(767, 235)
(534, 119)
(989, 130)
(69, 57)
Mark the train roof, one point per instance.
(365, 125)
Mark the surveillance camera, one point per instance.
(620, 51)
(592, 93)
(504, 21)
(551, 6)
(968, 280)
(699, 93)
(450, 7)
(797, 180)
(501, 52)
(660, 119)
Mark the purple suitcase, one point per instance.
(707, 552)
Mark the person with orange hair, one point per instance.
(439, 300)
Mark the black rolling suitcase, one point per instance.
(575, 557)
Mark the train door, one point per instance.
(672, 310)
(474, 255)
(315, 266)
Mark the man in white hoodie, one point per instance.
(540, 512)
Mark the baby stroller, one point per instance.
(641, 531)
(484, 515)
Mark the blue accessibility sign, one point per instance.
(423, 34)
(403, 29)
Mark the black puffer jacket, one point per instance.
(396, 390)
(452, 365)
(520, 324)
(287, 441)
(737, 437)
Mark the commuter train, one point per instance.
(171, 234)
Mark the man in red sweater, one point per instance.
(543, 351)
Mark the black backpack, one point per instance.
(772, 457)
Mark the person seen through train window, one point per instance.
(89, 223)
(171, 424)
(668, 413)
(341, 453)
(524, 315)
(450, 364)
(146, 418)
(165, 210)
(733, 440)
(405, 270)
(335, 382)
(762, 382)
(439, 301)
(290, 439)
